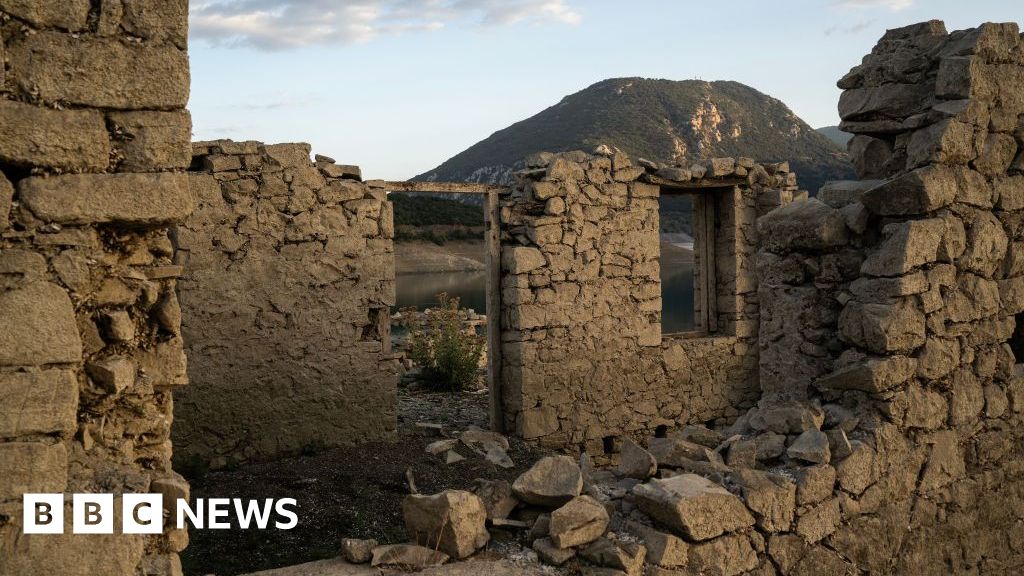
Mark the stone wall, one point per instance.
(902, 296)
(94, 141)
(289, 282)
(584, 360)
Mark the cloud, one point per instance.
(849, 28)
(894, 5)
(287, 24)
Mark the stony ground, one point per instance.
(344, 492)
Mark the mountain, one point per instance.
(836, 135)
(662, 120)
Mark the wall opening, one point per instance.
(1017, 345)
(687, 259)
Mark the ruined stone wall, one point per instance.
(887, 309)
(584, 360)
(94, 141)
(289, 281)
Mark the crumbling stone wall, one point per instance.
(901, 296)
(583, 357)
(289, 281)
(94, 141)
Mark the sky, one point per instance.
(400, 86)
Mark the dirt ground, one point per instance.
(344, 492)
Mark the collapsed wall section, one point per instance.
(94, 141)
(584, 361)
(288, 288)
(889, 310)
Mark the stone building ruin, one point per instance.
(860, 349)
(286, 301)
(94, 144)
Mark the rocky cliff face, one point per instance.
(661, 120)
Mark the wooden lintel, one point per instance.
(444, 187)
(701, 184)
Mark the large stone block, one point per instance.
(157, 20)
(100, 72)
(100, 198)
(452, 521)
(947, 142)
(917, 192)
(522, 259)
(6, 200)
(43, 402)
(869, 374)
(883, 328)
(154, 140)
(33, 136)
(71, 15)
(32, 467)
(887, 101)
(771, 497)
(802, 225)
(39, 326)
(986, 244)
(907, 245)
(71, 554)
(692, 506)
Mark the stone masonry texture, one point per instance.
(94, 140)
(583, 354)
(286, 299)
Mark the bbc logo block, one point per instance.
(93, 514)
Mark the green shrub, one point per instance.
(448, 355)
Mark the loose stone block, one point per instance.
(811, 446)
(40, 326)
(581, 521)
(692, 506)
(32, 467)
(44, 402)
(100, 198)
(729, 555)
(100, 72)
(452, 521)
(551, 554)
(552, 481)
(771, 497)
(636, 462)
(663, 549)
(33, 136)
(115, 374)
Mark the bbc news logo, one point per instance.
(144, 514)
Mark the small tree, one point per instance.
(448, 355)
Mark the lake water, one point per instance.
(420, 290)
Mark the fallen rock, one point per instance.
(441, 446)
(496, 496)
(771, 497)
(663, 549)
(811, 446)
(551, 482)
(701, 435)
(726, 556)
(692, 506)
(579, 522)
(357, 551)
(551, 554)
(635, 462)
(814, 483)
(407, 556)
(672, 451)
(452, 521)
(627, 557)
(451, 457)
(788, 418)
